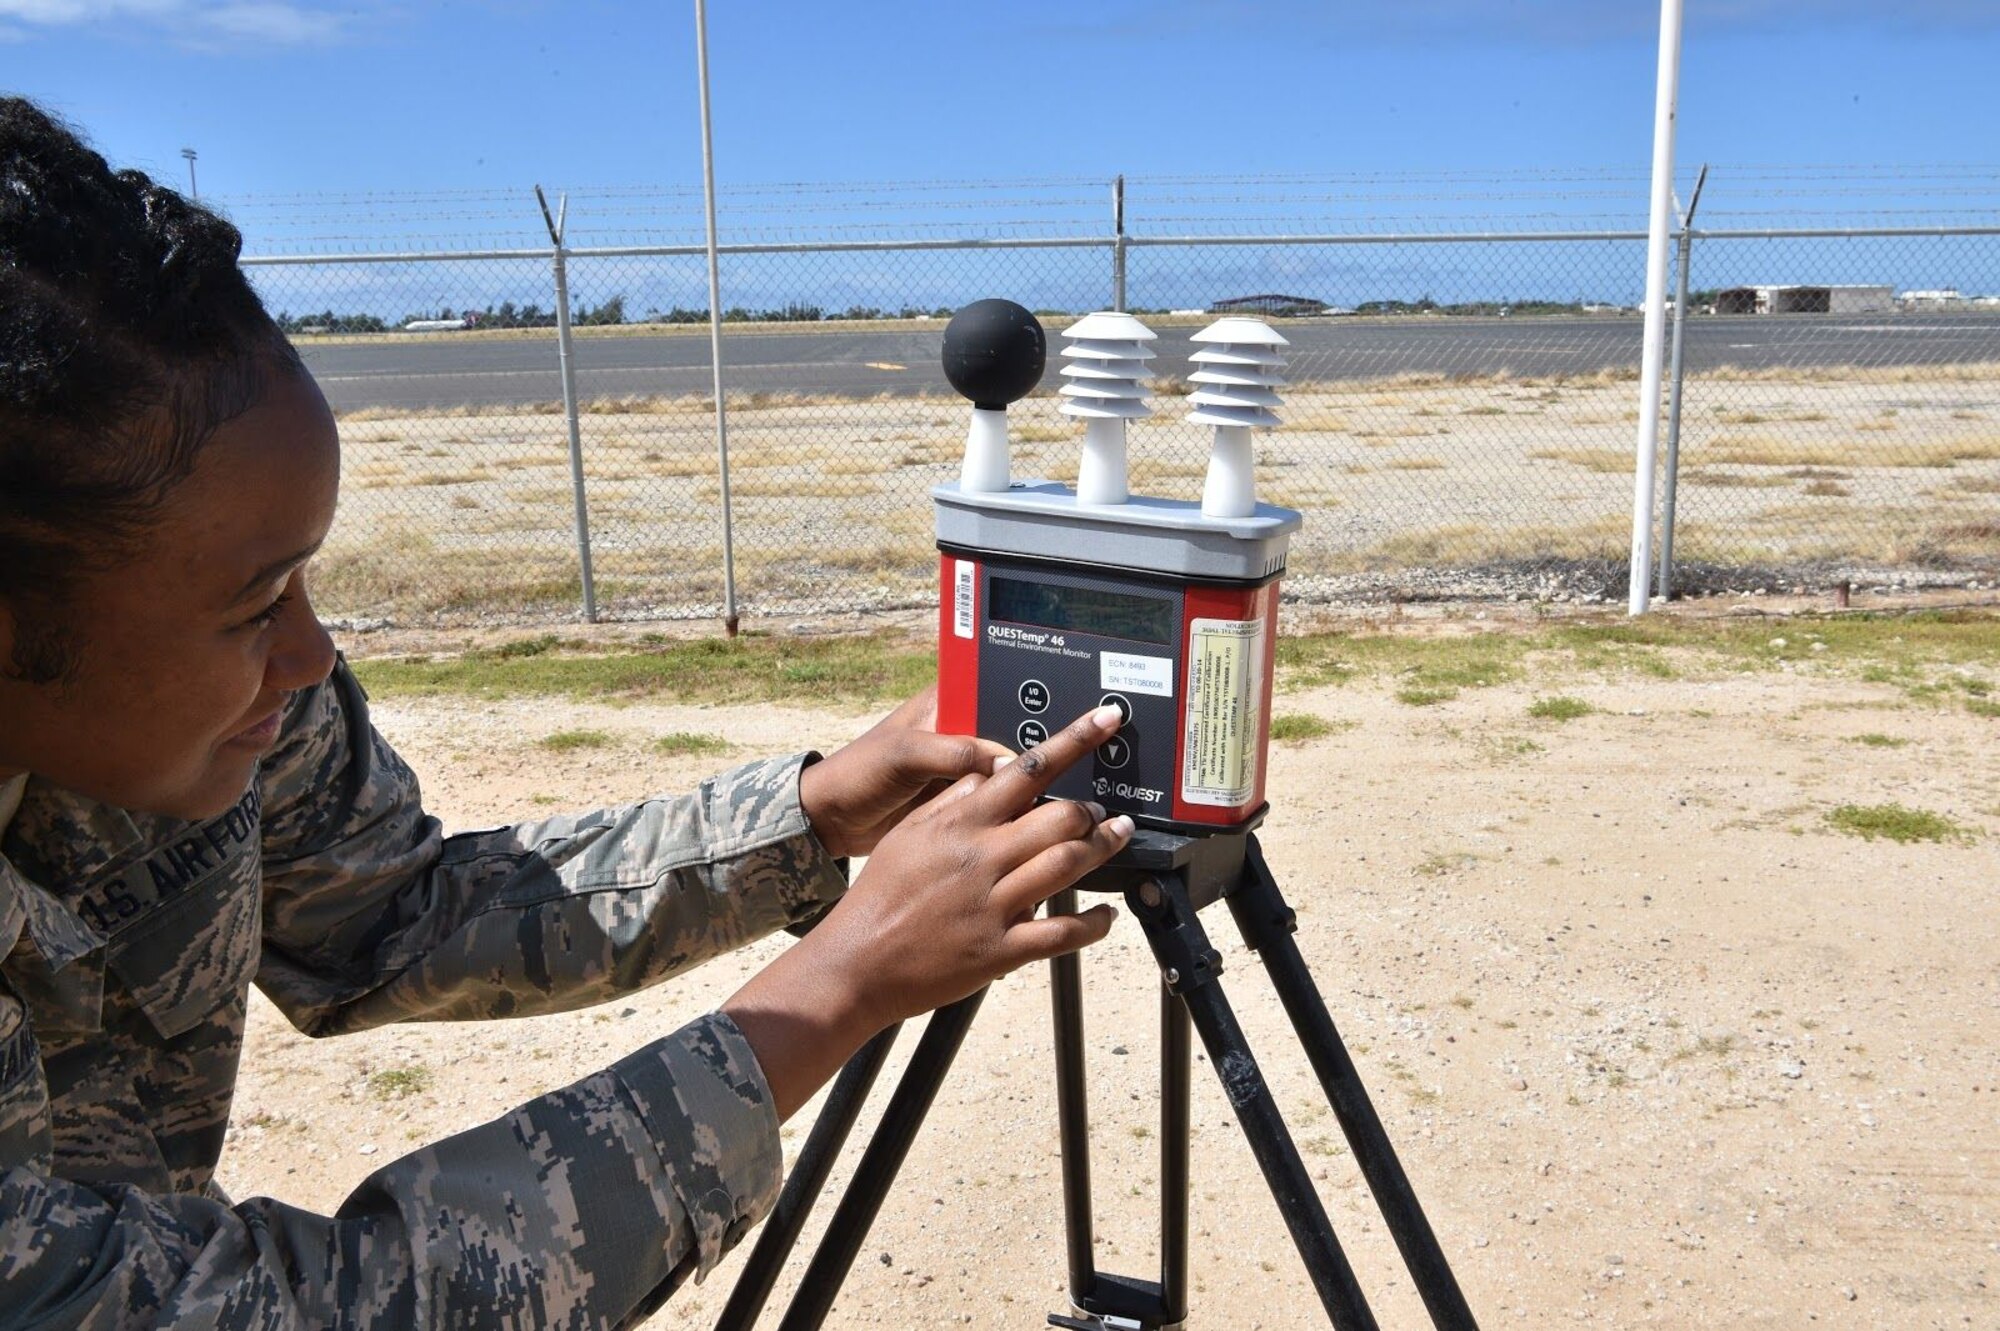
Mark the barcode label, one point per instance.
(961, 619)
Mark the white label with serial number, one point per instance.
(961, 610)
(1224, 702)
(1136, 674)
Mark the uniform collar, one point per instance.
(31, 910)
(33, 826)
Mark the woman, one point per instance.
(193, 799)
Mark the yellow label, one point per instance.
(1225, 688)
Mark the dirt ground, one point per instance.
(1657, 1045)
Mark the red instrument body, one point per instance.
(1232, 710)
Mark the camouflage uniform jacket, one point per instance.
(127, 947)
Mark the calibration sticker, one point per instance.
(1225, 681)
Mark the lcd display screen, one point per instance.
(1082, 610)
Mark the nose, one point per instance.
(303, 654)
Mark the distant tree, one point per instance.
(611, 311)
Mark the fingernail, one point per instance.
(1096, 810)
(1105, 717)
(1002, 761)
(1122, 824)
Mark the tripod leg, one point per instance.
(1073, 1109)
(802, 1187)
(1175, 1061)
(874, 1175)
(1267, 924)
(1191, 968)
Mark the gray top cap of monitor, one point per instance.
(1043, 520)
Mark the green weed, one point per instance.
(399, 1083)
(568, 741)
(1560, 708)
(1894, 822)
(686, 743)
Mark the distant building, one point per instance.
(1943, 298)
(1851, 299)
(1268, 304)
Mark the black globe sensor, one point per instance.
(994, 351)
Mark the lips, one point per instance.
(258, 736)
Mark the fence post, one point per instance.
(1118, 243)
(1686, 255)
(559, 261)
(715, 328)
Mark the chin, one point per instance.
(206, 795)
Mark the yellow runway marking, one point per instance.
(885, 365)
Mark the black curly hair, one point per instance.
(128, 335)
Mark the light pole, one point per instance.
(193, 192)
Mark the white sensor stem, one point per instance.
(987, 469)
(1100, 476)
(1231, 488)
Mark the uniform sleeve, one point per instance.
(372, 915)
(549, 1216)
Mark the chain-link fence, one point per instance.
(1460, 422)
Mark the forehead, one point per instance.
(264, 487)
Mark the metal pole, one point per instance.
(556, 226)
(1072, 1108)
(1118, 243)
(194, 191)
(715, 325)
(1665, 96)
(1666, 582)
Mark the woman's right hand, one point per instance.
(945, 906)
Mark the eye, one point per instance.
(269, 614)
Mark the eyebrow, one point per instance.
(265, 575)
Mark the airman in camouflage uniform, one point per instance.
(129, 945)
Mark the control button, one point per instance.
(1031, 733)
(1122, 703)
(1034, 696)
(1115, 752)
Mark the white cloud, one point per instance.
(286, 25)
(195, 22)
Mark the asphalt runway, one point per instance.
(437, 371)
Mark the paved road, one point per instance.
(443, 371)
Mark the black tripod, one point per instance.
(1166, 880)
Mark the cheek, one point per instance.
(172, 700)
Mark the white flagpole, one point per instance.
(1665, 98)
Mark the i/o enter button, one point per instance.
(1033, 696)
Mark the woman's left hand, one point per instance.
(854, 797)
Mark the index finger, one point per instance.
(1023, 781)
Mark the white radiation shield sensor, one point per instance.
(1103, 373)
(1239, 370)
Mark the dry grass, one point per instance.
(1736, 480)
(1778, 451)
(1976, 372)
(444, 517)
(789, 487)
(1476, 543)
(1611, 461)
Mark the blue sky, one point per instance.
(435, 118)
(286, 96)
